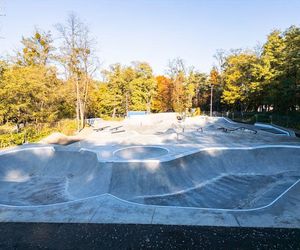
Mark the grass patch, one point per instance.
(34, 132)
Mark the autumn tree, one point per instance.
(29, 86)
(37, 49)
(177, 74)
(77, 55)
(163, 97)
(28, 94)
(3, 110)
(214, 80)
(201, 85)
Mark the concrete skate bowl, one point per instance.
(42, 176)
(236, 179)
(211, 179)
(140, 153)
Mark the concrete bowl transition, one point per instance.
(140, 152)
(233, 179)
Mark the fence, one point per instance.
(290, 120)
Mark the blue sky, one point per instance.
(154, 30)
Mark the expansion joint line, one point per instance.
(153, 216)
(237, 221)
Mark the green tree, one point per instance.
(29, 94)
(242, 80)
(272, 69)
(281, 62)
(290, 79)
(117, 79)
(142, 87)
(104, 101)
(201, 83)
(129, 88)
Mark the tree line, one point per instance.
(48, 80)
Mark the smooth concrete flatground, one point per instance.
(158, 171)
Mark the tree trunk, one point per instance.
(114, 112)
(77, 105)
(81, 115)
(127, 104)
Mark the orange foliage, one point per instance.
(163, 100)
(214, 76)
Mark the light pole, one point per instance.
(211, 98)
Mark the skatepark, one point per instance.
(158, 169)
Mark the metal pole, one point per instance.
(211, 98)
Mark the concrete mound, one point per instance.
(59, 138)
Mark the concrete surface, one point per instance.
(158, 171)
(140, 152)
